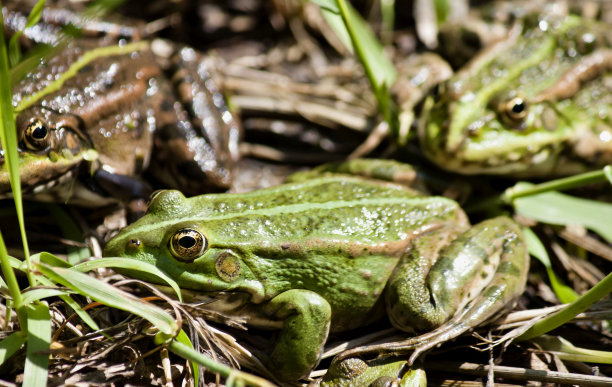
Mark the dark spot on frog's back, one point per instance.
(86, 69)
(509, 268)
(190, 169)
(166, 105)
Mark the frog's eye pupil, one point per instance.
(518, 107)
(36, 135)
(40, 132)
(515, 109)
(187, 244)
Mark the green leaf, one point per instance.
(130, 264)
(8, 140)
(111, 296)
(607, 170)
(50, 259)
(356, 34)
(327, 5)
(187, 352)
(195, 368)
(561, 209)
(72, 304)
(11, 344)
(36, 366)
(379, 69)
(7, 263)
(36, 294)
(565, 293)
(33, 18)
(568, 351)
(556, 319)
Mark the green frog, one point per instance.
(382, 372)
(333, 249)
(106, 110)
(535, 104)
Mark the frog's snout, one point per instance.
(121, 247)
(112, 249)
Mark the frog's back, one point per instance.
(331, 208)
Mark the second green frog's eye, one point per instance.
(36, 135)
(514, 109)
(187, 244)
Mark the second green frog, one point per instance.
(332, 251)
(536, 104)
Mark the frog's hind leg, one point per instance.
(476, 276)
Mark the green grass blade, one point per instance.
(72, 304)
(33, 18)
(37, 294)
(188, 353)
(50, 259)
(11, 344)
(8, 138)
(36, 366)
(568, 351)
(602, 289)
(565, 293)
(111, 296)
(522, 189)
(355, 33)
(130, 264)
(560, 209)
(195, 368)
(6, 262)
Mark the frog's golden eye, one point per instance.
(36, 135)
(187, 244)
(515, 109)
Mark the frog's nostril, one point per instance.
(133, 245)
(134, 242)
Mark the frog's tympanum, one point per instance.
(330, 251)
(111, 104)
(536, 104)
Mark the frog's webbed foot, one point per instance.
(477, 276)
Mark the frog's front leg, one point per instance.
(477, 275)
(196, 142)
(306, 317)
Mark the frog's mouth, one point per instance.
(37, 177)
(42, 172)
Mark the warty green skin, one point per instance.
(386, 372)
(326, 254)
(561, 67)
(118, 114)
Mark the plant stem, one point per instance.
(13, 286)
(565, 183)
(603, 288)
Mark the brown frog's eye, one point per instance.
(36, 135)
(187, 244)
(515, 109)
